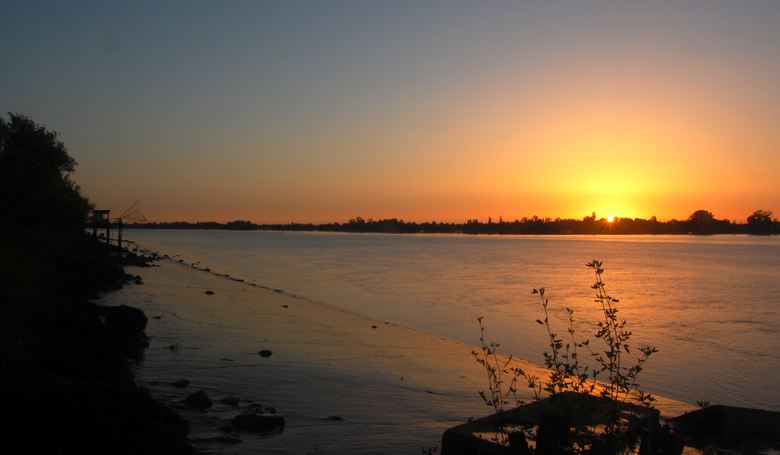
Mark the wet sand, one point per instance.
(344, 382)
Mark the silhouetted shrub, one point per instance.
(569, 374)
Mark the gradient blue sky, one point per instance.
(316, 111)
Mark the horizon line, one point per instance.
(485, 220)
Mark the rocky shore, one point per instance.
(66, 383)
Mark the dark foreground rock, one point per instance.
(743, 430)
(198, 400)
(125, 327)
(125, 319)
(97, 417)
(255, 420)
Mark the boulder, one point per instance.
(125, 329)
(125, 319)
(265, 353)
(254, 420)
(198, 400)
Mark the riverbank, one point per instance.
(344, 382)
(66, 384)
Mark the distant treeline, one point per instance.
(760, 222)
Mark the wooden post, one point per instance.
(119, 233)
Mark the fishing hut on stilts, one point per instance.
(100, 220)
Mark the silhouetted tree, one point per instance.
(760, 222)
(36, 191)
(701, 222)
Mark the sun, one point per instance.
(610, 218)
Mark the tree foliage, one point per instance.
(36, 191)
(761, 222)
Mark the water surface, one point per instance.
(709, 304)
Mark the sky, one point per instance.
(316, 111)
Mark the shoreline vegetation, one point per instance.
(700, 222)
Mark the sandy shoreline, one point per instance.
(396, 389)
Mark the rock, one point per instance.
(125, 328)
(181, 383)
(285, 306)
(335, 418)
(158, 317)
(258, 408)
(198, 400)
(125, 319)
(723, 428)
(209, 292)
(138, 279)
(233, 401)
(373, 326)
(255, 420)
(265, 353)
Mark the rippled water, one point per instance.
(709, 304)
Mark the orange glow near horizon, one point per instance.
(628, 155)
